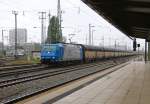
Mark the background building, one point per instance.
(21, 37)
(26, 49)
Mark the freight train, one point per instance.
(66, 52)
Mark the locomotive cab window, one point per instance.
(49, 48)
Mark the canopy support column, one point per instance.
(145, 50)
(148, 51)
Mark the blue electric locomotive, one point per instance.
(60, 52)
(51, 53)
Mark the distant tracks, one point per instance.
(41, 72)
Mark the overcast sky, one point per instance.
(76, 18)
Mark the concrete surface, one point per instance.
(129, 85)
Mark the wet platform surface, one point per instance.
(129, 85)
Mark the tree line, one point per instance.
(54, 34)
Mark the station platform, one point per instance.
(128, 85)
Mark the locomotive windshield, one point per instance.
(49, 48)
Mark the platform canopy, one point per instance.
(130, 16)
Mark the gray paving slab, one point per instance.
(129, 85)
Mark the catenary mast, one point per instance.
(59, 18)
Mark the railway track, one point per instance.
(13, 75)
(16, 67)
(12, 70)
(42, 72)
(13, 88)
(5, 60)
(16, 72)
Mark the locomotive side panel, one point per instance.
(72, 52)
